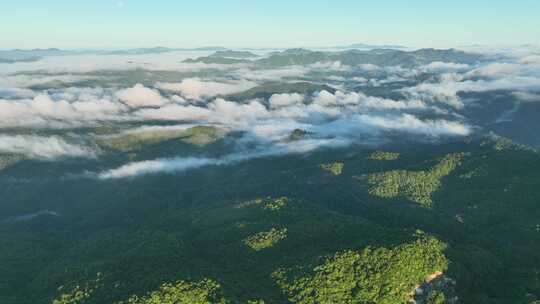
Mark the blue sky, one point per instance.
(269, 23)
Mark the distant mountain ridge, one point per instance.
(380, 57)
(159, 50)
(353, 55)
(234, 54)
(19, 55)
(371, 46)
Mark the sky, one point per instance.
(257, 23)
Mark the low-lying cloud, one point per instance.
(40, 147)
(195, 88)
(283, 100)
(180, 164)
(156, 166)
(45, 110)
(140, 96)
(337, 104)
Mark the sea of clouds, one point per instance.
(32, 100)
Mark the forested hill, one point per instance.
(343, 226)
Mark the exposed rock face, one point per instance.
(437, 289)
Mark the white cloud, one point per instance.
(175, 112)
(44, 111)
(275, 130)
(326, 99)
(359, 79)
(233, 113)
(336, 78)
(195, 88)
(369, 67)
(24, 81)
(179, 164)
(410, 124)
(156, 166)
(217, 111)
(16, 93)
(527, 97)
(496, 70)
(439, 67)
(336, 119)
(84, 63)
(268, 138)
(271, 74)
(151, 129)
(140, 96)
(281, 100)
(447, 91)
(335, 66)
(531, 59)
(42, 147)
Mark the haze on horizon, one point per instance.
(238, 23)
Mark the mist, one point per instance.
(337, 104)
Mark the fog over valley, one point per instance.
(56, 106)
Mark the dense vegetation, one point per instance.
(385, 57)
(182, 237)
(203, 292)
(374, 275)
(265, 239)
(199, 135)
(381, 155)
(437, 219)
(8, 160)
(79, 293)
(234, 54)
(417, 186)
(334, 168)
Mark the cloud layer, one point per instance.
(195, 88)
(140, 96)
(42, 147)
(340, 105)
